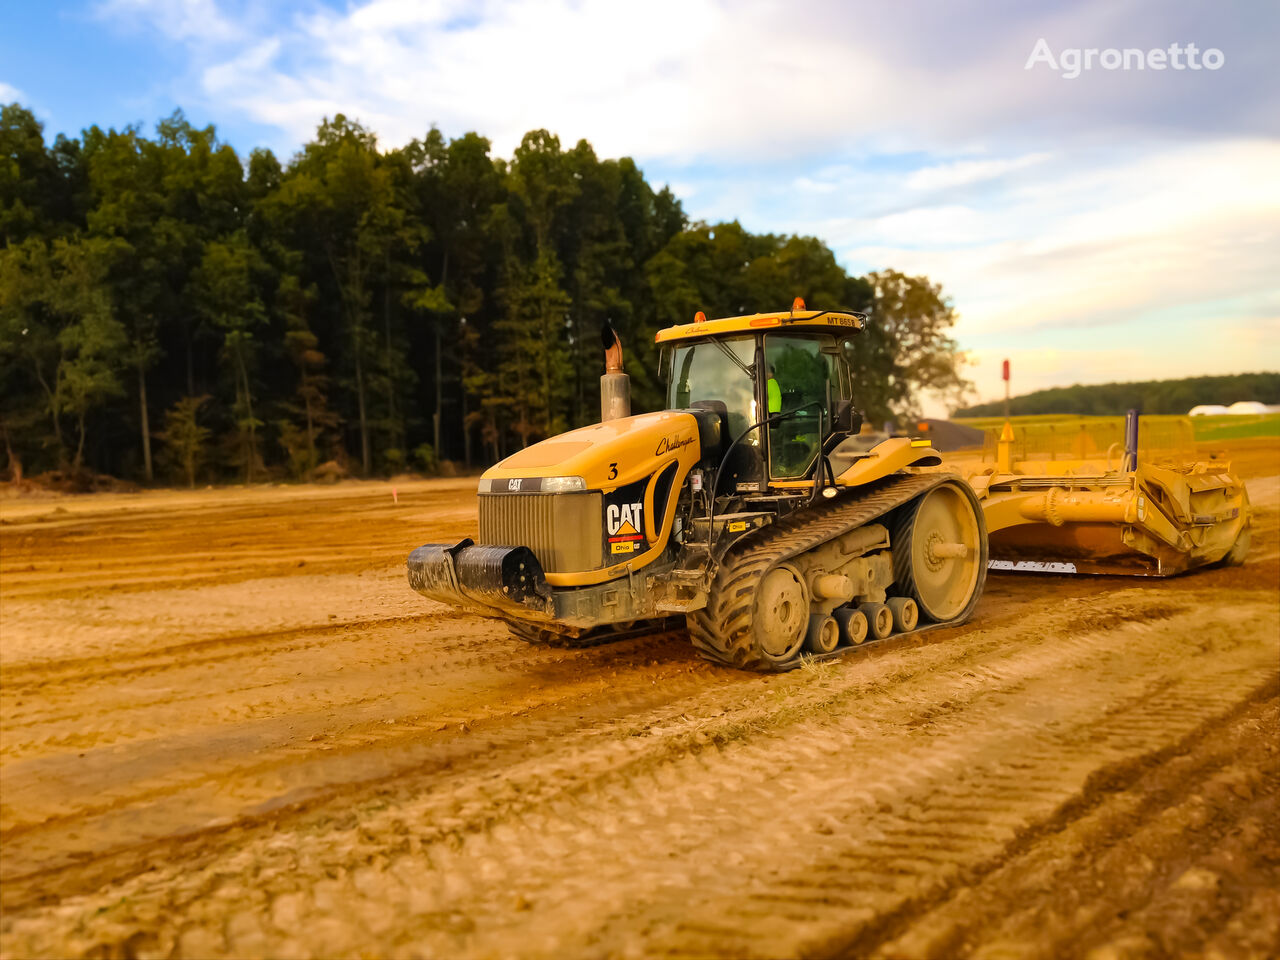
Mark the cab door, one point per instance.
(802, 374)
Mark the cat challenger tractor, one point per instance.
(753, 509)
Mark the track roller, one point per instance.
(853, 625)
(906, 615)
(824, 634)
(879, 619)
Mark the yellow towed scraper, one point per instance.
(1086, 516)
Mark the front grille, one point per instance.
(562, 529)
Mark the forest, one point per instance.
(1148, 396)
(174, 311)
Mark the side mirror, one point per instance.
(713, 427)
(845, 419)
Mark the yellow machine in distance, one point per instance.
(752, 509)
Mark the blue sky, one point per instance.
(1118, 224)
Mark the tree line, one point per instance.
(1148, 396)
(173, 310)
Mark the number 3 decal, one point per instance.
(613, 471)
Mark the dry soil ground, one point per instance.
(229, 728)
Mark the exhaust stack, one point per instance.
(615, 386)
(1130, 441)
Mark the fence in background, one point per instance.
(1095, 438)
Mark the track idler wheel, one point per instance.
(940, 552)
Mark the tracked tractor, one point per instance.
(754, 510)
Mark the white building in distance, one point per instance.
(1240, 407)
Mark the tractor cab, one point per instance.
(780, 383)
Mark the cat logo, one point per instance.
(624, 520)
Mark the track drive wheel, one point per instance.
(940, 552)
(758, 620)
(782, 613)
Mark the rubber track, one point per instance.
(721, 631)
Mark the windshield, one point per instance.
(716, 372)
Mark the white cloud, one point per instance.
(811, 185)
(1157, 263)
(1105, 205)
(964, 172)
(1188, 225)
(201, 22)
(11, 94)
(684, 79)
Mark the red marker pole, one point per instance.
(1006, 389)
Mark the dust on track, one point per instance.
(229, 728)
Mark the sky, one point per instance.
(1090, 220)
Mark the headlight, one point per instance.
(563, 484)
(531, 485)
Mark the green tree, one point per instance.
(56, 319)
(455, 187)
(310, 417)
(228, 298)
(532, 356)
(1148, 396)
(164, 199)
(341, 197)
(533, 366)
(906, 349)
(427, 296)
(42, 189)
(185, 438)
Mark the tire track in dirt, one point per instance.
(428, 657)
(1164, 841)
(194, 542)
(876, 826)
(72, 675)
(409, 784)
(576, 854)
(231, 767)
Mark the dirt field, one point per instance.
(229, 728)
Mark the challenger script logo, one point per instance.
(672, 445)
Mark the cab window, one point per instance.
(798, 372)
(716, 372)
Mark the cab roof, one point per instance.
(821, 321)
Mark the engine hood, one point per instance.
(605, 455)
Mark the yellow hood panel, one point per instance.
(608, 455)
